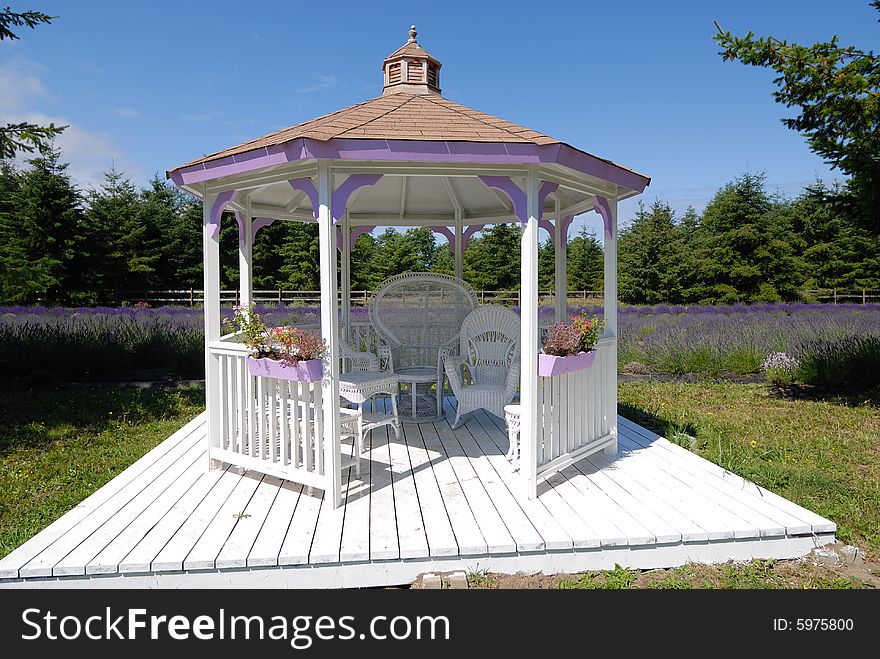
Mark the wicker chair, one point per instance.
(489, 347)
(417, 315)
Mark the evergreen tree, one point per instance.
(301, 258)
(116, 254)
(492, 260)
(444, 261)
(363, 257)
(47, 214)
(546, 265)
(586, 262)
(650, 257)
(747, 250)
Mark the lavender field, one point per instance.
(106, 343)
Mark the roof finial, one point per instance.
(412, 34)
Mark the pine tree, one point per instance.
(116, 259)
(300, 252)
(650, 257)
(492, 260)
(586, 262)
(42, 249)
(747, 251)
(363, 257)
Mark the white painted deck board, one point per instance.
(441, 438)
(238, 546)
(108, 559)
(203, 555)
(438, 528)
(410, 523)
(432, 497)
(798, 519)
(518, 524)
(267, 546)
(551, 531)
(468, 535)
(44, 563)
(140, 558)
(384, 542)
(174, 552)
(9, 565)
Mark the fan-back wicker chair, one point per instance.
(419, 314)
(489, 347)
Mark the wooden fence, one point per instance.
(193, 297)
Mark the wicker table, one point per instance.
(358, 387)
(413, 377)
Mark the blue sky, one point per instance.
(149, 85)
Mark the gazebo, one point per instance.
(408, 157)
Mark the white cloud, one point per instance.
(127, 112)
(321, 83)
(90, 153)
(20, 85)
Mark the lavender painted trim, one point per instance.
(259, 223)
(217, 211)
(352, 237)
(344, 191)
(604, 209)
(310, 370)
(506, 185)
(548, 225)
(550, 365)
(468, 234)
(306, 185)
(414, 150)
(547, 187)
(450, 236)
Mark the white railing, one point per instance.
(270, 425)
(577, 412)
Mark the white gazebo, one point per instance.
(408, 157)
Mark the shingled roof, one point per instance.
(398, 117)
(410, 108)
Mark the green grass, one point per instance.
(823, 454)
(753, 575)
(57, 446)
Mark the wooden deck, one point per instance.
(437, 500)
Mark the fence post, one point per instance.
(279, 297)
(864, 297)
(835, 296)
(192, 294)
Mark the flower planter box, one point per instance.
(310, 370)
(550, 365)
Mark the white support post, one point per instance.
(610, 295)
(211, 256)
(329, 330)
(458, 246)
(529, 345)
(245, 257)
(560, 246)
(345, 274)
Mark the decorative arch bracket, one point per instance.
(342, 194)
(604, 209)
(306, 185)
(356, 233)
(517, 197)
(217, 211)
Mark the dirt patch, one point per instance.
(832, 569)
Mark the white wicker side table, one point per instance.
(358, 387)
(511, 418)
